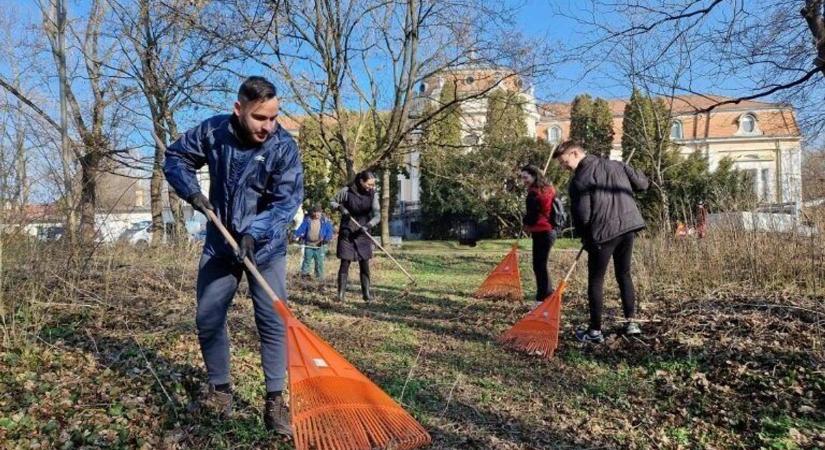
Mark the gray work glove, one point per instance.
(246, 248)
(200, 203)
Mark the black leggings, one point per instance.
(542, 243)
(364, 275)
(598, 256)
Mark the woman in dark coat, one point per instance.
(537, 222)
(357, 201)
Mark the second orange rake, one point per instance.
(538, 332)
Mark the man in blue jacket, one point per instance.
(256, 186)
(314, 233)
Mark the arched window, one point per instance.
(469, 80)
(747, 124)
(676, 130)
(422, 87)
(554, 134)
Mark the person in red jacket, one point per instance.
(540, 197)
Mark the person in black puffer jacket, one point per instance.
(606, 217)
(358, 201)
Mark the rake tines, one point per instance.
(334, 406)
(538, 332)
(504, 281)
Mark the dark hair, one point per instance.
(538, 177)
(256, 88)
(315, 208)
(566, 146)
(364, 175)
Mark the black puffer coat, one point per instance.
(353, 244)
(601, 198)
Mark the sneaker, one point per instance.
(593, 336)
(219, 403)
(632, 329)
(276, 417)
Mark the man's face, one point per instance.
(316, 215)
(258, 117)
(569, 160)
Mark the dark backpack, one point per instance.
(558, 218)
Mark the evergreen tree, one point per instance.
(602, 134)
(581, 118)
(646, 145)
(506, 122)
(591, 123)
(442, 161)
(320, 178)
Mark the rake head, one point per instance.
(538, 332)
(335, 407)
(504, 281)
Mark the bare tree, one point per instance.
(353, 67)
(175, 66)
(768, 47)
(92, 149)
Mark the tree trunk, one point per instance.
(175, 203)
(66, 156)
(22, 192)
(665, 210)
(385, 207)
(88, 195)
(156, 195)
(179, 231)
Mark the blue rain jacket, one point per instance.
(327, 229)
(264, 199)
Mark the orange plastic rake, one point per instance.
(538, 332)
(504, 281)
(333, 405)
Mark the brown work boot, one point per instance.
(215, 402)
(276, 416)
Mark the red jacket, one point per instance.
(539, 207)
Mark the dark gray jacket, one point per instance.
(601, 198)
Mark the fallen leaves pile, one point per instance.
(105, 355)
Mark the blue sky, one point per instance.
(543, 19)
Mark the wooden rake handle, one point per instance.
(276, 302)
(383, 249)
(573, 266)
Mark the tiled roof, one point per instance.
(773, 119)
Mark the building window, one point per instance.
(470, 140)
(422, 87)
(747, 124)
(469, 80)
(554, 134)
(676, 131)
